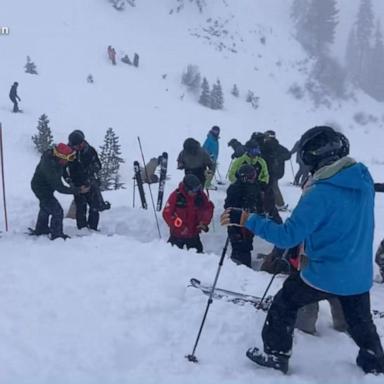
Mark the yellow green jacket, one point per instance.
(257, 162)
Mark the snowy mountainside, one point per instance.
(113, 307)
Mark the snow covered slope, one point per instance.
(114, 307)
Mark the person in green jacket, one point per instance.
(251, 157)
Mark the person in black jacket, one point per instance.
(84, 171)
(244, 193)
(275, 155)
(14, 97)
(46, 180)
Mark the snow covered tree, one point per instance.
(235, 91)
(315, 23)
(374, 80)
(30, 67)
(110, 158)
(43, 139)
(205, 97)
(217, 97)
(199, 3)
(252, 99)
(191, 78)
(359, 44)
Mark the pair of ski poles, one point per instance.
(192, 357)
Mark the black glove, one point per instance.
(234, 216)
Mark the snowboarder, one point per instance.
(46, 180)
(211, 145)
(188, 212)
(84, 171)
(244, 193)
(195, 160)
(275, 155)
(111, 54)
(335, 218)
(14, 97)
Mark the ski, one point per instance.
(233, 297)
(162, 179)
(242, 298)
(139, 183)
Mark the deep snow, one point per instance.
(114, 307)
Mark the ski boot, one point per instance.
(279, 363)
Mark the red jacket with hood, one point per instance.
(184, 212)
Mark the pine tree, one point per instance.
(43, 140)
(110, 158)
(217, 97)
(375, 80)
(252, 99)
(192, 78)
(205, 97)
(235, 91)
(30, 67)
(359, 44)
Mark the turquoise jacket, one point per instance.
(211, 145)
(335, 219)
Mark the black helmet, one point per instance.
(191, 145)
(246, 174)
(270, 134)
(192, 183)
(258, 137)
(321, 146)
(76, 138)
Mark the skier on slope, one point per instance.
(244, 193)
(335, 218)
(188, 212)
(14, 97)
(46, 180)
(84, 171)
(195, 160)
(211, 145)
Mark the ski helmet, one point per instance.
(322, 145)
(64, 152)
(246, 174)
(252, 148)
(76, 138)
(192, 183)
(270, 134)
(191, 145)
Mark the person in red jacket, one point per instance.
(187, 213)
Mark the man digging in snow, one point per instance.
(335, 219)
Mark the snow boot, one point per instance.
(369, 362)
(279, 363)
(59, 236)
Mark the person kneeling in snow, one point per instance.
(187, 213)
(335, 219)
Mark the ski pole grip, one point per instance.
(178, 222)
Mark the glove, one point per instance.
(203, 227)
(234, 216)
(84, 189)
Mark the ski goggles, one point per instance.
(69, 157)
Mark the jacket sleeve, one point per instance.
(170, 209)
(231, 201)
(284, 153)
(264, 174)
(234, 168)
(306, 217)
(57, 184)
(207, 211)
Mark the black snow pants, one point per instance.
(242, 245)
(193, 242)
(83, 200)
(50, 207)
(15, 104)
(279, 325)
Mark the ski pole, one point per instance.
(293, 172)
(192, 356)
(149, 186)
(3, 179)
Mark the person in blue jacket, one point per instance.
(335, 220)
(211, 145)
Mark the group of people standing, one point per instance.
(78, 163)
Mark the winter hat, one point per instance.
(215, 131)
(64, 152)
(192, 183)
(191, 145)
(76, 137)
